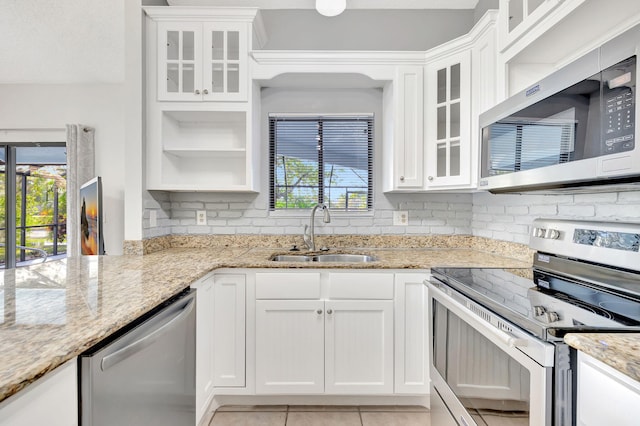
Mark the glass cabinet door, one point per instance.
(179, 61)
(225, 67)
(447, 123)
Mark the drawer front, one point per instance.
(286, 285)
(358, 285)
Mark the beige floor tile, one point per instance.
(301, 418)
(248, 419)
(323, 408)
(395, 419)
(238, 408)
(394, 408)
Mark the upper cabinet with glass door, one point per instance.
(202, 61)
(448, 127)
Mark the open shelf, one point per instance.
(205, 131)
(202, 150)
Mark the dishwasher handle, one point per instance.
(124, 353)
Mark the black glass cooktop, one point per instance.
(544, 304)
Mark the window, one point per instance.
(321, 159)
(33, 202)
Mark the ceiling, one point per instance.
(351, 4)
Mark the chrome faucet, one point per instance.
(309, 237)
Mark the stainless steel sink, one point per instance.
(291, 258)
(346, 258)
(350, 258)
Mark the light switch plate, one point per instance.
(201, 217)
(401, 218)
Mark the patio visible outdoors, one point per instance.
(41, 204)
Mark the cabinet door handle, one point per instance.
(205, 91)
(197, 92)
(401, 178)
(430, 178)
(319, 311)
(329, 311)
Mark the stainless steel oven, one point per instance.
(497, 350)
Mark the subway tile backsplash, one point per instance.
(504, 217)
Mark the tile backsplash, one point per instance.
(504, 217)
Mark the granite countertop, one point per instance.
(53, 312)
(618, 350)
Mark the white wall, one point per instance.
(364, 29)
(96, 105)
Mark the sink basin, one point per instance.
(351, 258)
(292, 258)
(346, 258)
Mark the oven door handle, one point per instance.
(511, 340)
(501, 335)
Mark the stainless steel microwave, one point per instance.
(575, 128)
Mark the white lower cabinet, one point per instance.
(411, 334)
(320, 332)
(289, 346)
(229, 330)
(204, 344)
(358, 347)
(315, 346)
(325, 332)
(50, 400)
(605, 395)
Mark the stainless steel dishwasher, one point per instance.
(145, 374)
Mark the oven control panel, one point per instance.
(547, 233)
(609, 243)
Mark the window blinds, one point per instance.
(321, 159)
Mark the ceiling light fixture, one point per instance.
(331, 7)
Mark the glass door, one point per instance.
(33, 208)
(180, 61)
(225, 61)
(448, 121)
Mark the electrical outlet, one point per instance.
(401, 218)
(153, 218)
(201, 217)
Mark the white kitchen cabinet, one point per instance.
(202, 61)
(448, 142)
(289, 346)
(324, 333)
(202, 112)
(605, 395)
(204, 344)
(229, 330)
(408, 102)
(358, 347)
(50, 400)
(411, 334)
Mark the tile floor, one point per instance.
(308, 415)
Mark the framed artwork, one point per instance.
(91, 239)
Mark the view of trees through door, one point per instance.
(33, 203)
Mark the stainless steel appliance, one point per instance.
(497, 349)
(144, 375)
(576, 127)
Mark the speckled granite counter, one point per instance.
(618, 350)
(53, 312)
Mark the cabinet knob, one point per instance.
(205, 91)
(401, 178)
(197, 92)
(329, 311)
(319, 311)
(430, 178)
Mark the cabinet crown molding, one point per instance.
(201, 13)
